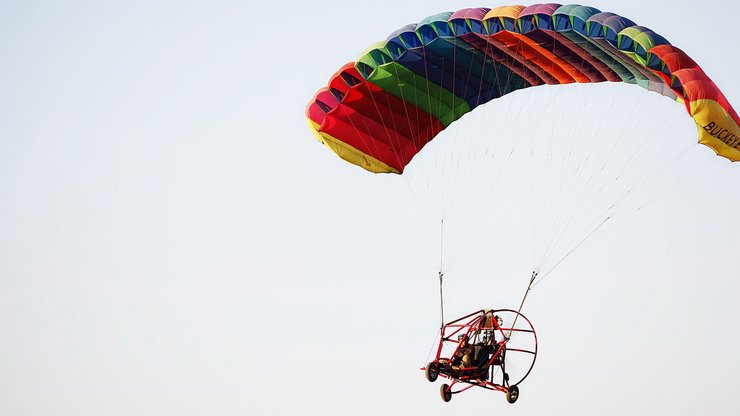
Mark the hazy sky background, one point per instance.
(173, 240)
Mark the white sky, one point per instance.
(173, 240)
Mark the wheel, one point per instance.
(432, 371)
(445, 392)
(512, 394)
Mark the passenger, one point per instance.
(463, 355)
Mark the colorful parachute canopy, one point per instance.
(380, 111)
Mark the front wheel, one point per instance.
(512, 394)
(445, 392)
(432, 372)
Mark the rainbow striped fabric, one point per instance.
(380, 111)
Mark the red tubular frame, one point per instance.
(472, 325)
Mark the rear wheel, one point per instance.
(432, 371)
(512, 394)
(445, 392)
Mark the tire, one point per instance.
(432, 371)
(445, 393)
(512, 394)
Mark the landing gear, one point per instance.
(445, 392)
(432, 371)
(512, 394)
